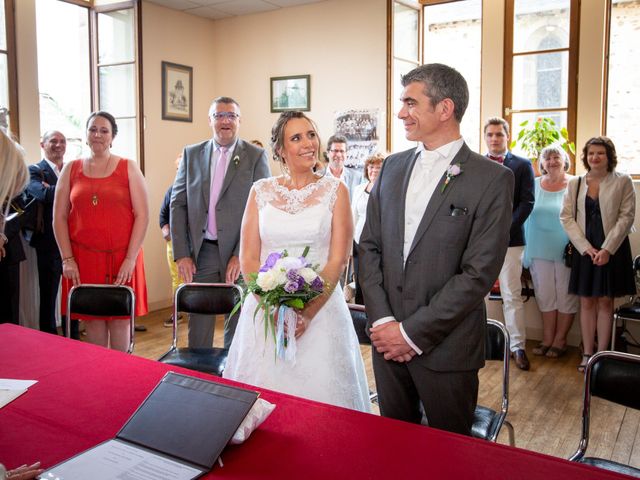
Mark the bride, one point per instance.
(291, 212)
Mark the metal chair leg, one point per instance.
(512, 435)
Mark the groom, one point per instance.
(435, 238)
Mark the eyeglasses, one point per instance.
(225, 115)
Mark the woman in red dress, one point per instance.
(100, 218)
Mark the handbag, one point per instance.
(569, 249)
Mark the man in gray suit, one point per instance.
(207, 203)
(435, 238)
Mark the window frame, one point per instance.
(572, 80)
(12, 70)
(95, 10)
(605, 73)
(391, 57)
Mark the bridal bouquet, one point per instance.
(282, 284)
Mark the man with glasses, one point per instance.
(337, 153)
(42, 187)
(207, 203)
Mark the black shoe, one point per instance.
(140, 328)
(520, 356)
(169, 321)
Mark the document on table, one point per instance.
(116, 459)
(11, 389)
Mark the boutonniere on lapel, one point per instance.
(236, 160)
(452, 172)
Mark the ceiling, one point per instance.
(217, 9)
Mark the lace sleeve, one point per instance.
(332, 191)
(264, 192)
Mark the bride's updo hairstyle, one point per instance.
(277, 136)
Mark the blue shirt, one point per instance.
(544, 236)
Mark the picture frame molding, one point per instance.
(166, 114)
(274, 80)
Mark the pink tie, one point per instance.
(216, 187)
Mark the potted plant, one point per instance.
(542, 133)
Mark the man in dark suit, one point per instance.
(207, 203)
(42, 187)
(496, 136)
(436, 233)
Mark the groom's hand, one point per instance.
(388, 340)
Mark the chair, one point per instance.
(359, 319)
(487, 422)
(103, 301)
(615, 377)
(630, 310)
(206, 299)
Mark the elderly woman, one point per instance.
(100, 219)
(597, 214)
(359, 201)
(545, 240)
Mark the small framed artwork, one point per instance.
(177, 92)
(291, 93)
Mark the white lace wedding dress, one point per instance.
(328, 366)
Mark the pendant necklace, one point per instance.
(94, 197)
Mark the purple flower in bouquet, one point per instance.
(270, 261)
(317, 284)
(295, 282)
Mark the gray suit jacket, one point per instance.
(190, 198)
(438, 294)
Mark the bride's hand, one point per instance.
(302, 323)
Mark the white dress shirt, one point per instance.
(425, 176)
(53, 166)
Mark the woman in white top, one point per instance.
(360, 198)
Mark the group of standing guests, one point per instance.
(595, 212)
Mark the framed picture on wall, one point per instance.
(177, 92)
(291, 93)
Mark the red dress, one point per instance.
(100, 230)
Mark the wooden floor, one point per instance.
(545, 402)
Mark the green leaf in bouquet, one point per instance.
(295, 303)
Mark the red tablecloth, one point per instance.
(86, 393)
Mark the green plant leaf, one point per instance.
(295, 303)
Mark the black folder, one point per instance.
(184, 419)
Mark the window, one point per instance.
(63, 46)
(8, 81)
(94, 51)
(622, 95)
(541, 62)
(439, 32)
(116, 71)
(406, 56)
(453, 36)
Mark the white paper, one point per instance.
(116, 459)
(11, 389)
(10, 384)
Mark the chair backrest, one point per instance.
(613, 376)
(496, 341)
(497, 348)
(204, 299)
(102, 301)
(207, 298)
(359, 319)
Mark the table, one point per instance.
(86, 393)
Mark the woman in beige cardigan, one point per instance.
(599, 231)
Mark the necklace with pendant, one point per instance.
(94, 197)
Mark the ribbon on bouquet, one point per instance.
(286, 337)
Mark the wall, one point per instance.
(340, 43)
(185, 39)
